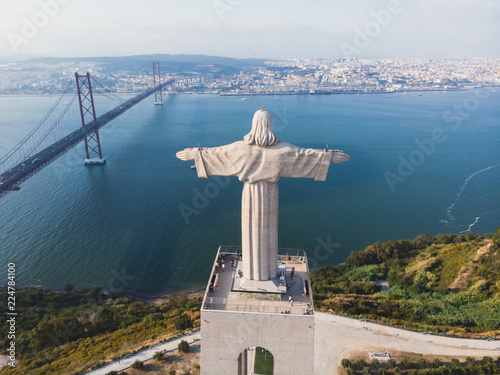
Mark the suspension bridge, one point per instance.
(68, 123)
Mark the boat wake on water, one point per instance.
(452, 219)
(477, 219)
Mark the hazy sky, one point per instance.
(244, 28)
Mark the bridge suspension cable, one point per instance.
(29, 143)
(104, 91)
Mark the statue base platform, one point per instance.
(241, 284)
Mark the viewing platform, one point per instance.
(228, 290)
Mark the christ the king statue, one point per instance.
(260, 160)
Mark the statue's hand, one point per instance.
(339, 156)
(186, 154)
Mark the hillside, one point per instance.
(448, 284)
(73, 331)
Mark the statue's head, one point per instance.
(262, 134)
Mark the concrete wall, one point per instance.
(225, 334)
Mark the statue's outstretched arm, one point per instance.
(186, 154)
(339, 157)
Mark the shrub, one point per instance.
(159, 356)
(391, 363)
(361, 364)
(381, 371)
(196, 366)
(183, 322)
(487, 359)
(422, 362)
(346, 363)
(455, 362)
(183, 346)
(68, 288)
(470, 361)
(406, 362)
(376, 363)
(171, 372)
(350, 371)
(137, 365)
(366, 371)
(397, 371)
(437, 362)
(112, 373)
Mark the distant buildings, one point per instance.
(284, 76)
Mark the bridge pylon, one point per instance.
(89, 120)
(157, 81)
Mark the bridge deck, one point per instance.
(10, 180)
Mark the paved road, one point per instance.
(337, 337)
(146, 354)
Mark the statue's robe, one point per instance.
(260, 168)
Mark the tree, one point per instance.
(68, 288)
(96, 293)
(437, 362)
(346, 363)
(183, 322)
(137, 365)
(183, 346)
(422, 241)
(376, 363)
(391, 363)
(361, 364)
(105, 320)
(496, 238)
(444, 238)
(406, 362)
(159, 356)
(112, 373)
(172, 372)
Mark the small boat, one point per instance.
(193, 166)
(244, 98)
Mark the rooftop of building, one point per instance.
(228, 290)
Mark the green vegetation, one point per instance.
(435, 366)
(183, 322)
(137, 365)
(73, 331)
(183, 346)
(264, 362)
(443, 284)
(159, 356)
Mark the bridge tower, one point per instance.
(156, 82)
(89, 120)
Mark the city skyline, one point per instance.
(239, 28)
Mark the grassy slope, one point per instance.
(442, 287)
(68, 333)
